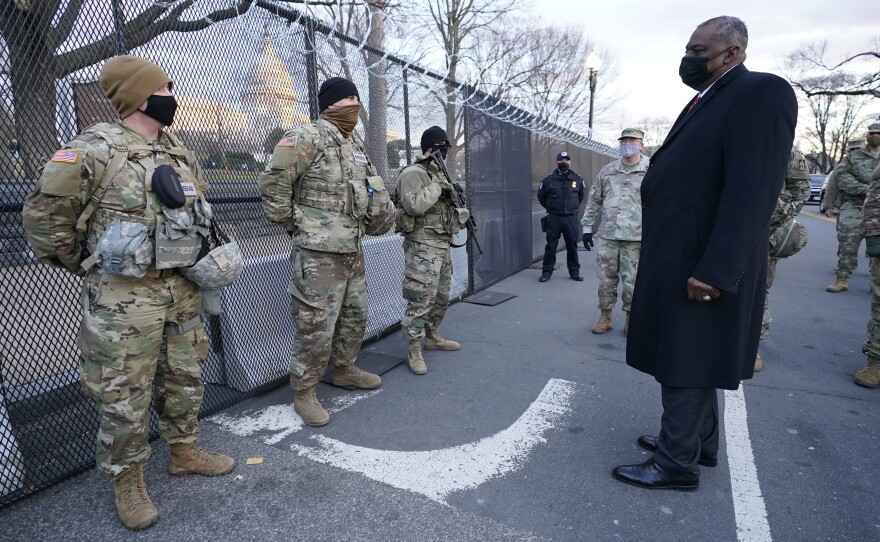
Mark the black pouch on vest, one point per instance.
(166, 186)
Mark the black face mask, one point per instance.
(161, 109)
(443, 149)
(563, 166)
(693, 72)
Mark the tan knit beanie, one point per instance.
(128, 81)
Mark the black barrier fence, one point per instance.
(240, 85)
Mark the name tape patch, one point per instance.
(189, 189)
(360, 157)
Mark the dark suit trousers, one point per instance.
(688, 428)
(567, 226)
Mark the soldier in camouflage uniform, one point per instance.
(616, 198)
(428, 219)
(320, 186)
(795, 193)
(869, 376)
(141, 326)
(831, 198)
(852, 182)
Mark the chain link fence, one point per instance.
(240, 86)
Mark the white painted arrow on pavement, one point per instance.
(434, 473)
(437, 473)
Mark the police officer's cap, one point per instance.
(166, 186)
(562, 155)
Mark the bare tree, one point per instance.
(810, 59)
(833, 116)
(457, 26)
(556, 80)
(655, 129)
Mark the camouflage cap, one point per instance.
(854, 144)
(874, 128)
(632, 132)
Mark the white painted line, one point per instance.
(438, 473)
(748, 503)
(280, 421)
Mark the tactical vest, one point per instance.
(438, 218)
(125, 193)
(335, 195)
(860, 164)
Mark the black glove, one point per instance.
(588, 241)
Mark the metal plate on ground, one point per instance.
(372, 362)
(489, 298)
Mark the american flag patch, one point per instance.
(68, 157)
(286, 142)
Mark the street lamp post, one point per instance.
(593, 64)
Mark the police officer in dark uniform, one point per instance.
(561, 193)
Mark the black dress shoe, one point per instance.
(544, 278)
(649, 476)
(649, 443)
(577, 278)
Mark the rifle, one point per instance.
(471, 224)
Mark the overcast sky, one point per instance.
(648, 40)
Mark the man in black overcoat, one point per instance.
(706, 204)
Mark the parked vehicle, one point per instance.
(817, 187)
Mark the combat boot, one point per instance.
(190, 459)
(870, 375)
(759, 363)
(349, 375)
(306, 404)
(136, 510)
(604, 323)
(416, 361)
(840, 284)
(433, 341)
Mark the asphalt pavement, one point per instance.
(514, 436)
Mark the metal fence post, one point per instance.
(406, 126)
(469, 194)
(311, 66)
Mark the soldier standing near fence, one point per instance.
(322, 188)
(141, 324)
(615, 196)
(795, 193)
(852, 182)
(427, 218)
